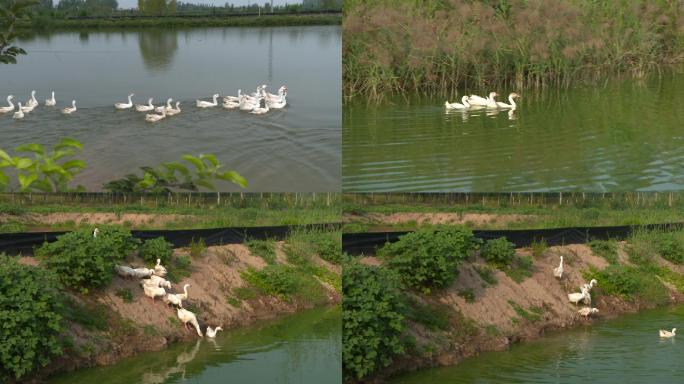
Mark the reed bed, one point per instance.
(439, 46)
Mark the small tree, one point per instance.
(10, 12)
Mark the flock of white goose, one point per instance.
(154, 284)
(476, 102)
(257, 103)
(585, 297)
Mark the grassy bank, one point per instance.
(184, 22)
(439, 46)
(19, 213)
(74, 311)
(447, 296)
(509, 211)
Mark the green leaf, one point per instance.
(22, 162)
(4, 179)
(211, 157)
(194, 161)
(176, 166)
(233, 177)
(80, 164)
(68, 142)
(5, 156)
(31, 147)
(25, 181)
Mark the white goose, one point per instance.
(51, 102)
(227, 104)
(125, 105)
(465, 104)
(174, 111)
(247, 104)
(211, 333)
(511, 101)
(276, 104)
(159, 269)
(177, 299)
(28, 108)
(558, 271)
(282, 92)
(10, 107)
(70, 110)
(156, 281)
(145, 108)
(233, 98)
(481, 101)
(259, 90)
(165, 107)
(32, 102)
(19, 114)
(589, 286)
(260, 110)
(667, 334)
(577, 297)
(208, 104)
(188, 317)
(153, 117)
(152, 291)
(586, 311)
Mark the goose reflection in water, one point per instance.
(182, 359)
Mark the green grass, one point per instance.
(197, 248)
(265, 249)
(487, 274)
(533, 314)
(125, 294)
(179, 268)
(89, 315)
(608, 249)
(434, 316)
(467, 294)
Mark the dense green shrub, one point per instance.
(428, 258)
(631, 283)
(372, 319)
(605, 248)
(29, 314)
(83, 261)
(154, 249)
(179, 268)
(669, 247)
(277, 280)
(330, 247)
(499, 251)
(264, 248)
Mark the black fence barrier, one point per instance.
(23, 243)
(368, 243)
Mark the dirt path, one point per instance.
(132, 219)
(475, 219)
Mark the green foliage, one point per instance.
(29, 314)
(533, 315)
(264, 248)
(154, 249)
(468, 294)
(487, 274)
(82, 261)
(539, 248)
(631, 283)
(520, 269)
(179, 268)
(499, 251)
(608, 249)
(197, 247)
(428, 258)
(91, 316)
(329, 247)
(284, 282)
(432, 315)
(669, 247)
(125, 294)
(205, 171)
(10, 12)
(47, 171)
(372, 319)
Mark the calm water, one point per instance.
(624, 135)
(294, 149)
(625, 350)
(303, 348)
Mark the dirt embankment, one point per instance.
(136, 324)
(38, 220)
(420, 218)
(508, 312)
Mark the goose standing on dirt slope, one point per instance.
(208, 104)
(558, 271)
(177, 299)
(51, 102)
(159, 269)
(10, 107)
(19, 114)
(188, 317)
(667, 334)
(152, 291)
(586, 311)
(156, 281)
(577, 297)
(589, 286)
(211, 333)
(465, 104)
(139, 273)
(125, 105)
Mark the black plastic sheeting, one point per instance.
(15, 243)
(367, 243)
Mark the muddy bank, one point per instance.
(126, 322)
(489, 316)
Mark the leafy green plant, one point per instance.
(608, 249)
(539, 248)
(263, 248)
(197, 247)
(179, 268)
(154, 249)
(47, 171)
(10, 12)
(669, 247)
(82, 261)
(276, 280)
(487, 274)
(205, 171)
(428, 258)
(432, 315)
(329, 247)
(371, 338)
(30, 316)
(631, 283)
(498, 251)
(125, 294)
(519, 269)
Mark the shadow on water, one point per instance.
(302, 348)
(157, 48)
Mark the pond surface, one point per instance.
(624, 350)
(293, 149)
(302, 348)
(623, 135)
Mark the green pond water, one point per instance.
(624, 350)
(302, 348)
(621, 135)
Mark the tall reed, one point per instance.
(438, 46)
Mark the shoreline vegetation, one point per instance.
(440, 46)
(181, 21)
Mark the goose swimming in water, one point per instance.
(153, 117)
(667, 334)
(511, 100)
(70, 110)
(165, 107)
(8, 108)
(145, 108)
(233, 98)
(19, 114)
(174, 111)
(586, 311)
(481, 101)
(51, 102)
(28, 108)
(465, 104)
(208, 104)
(260, 110)
(211, 333)
(125, 105)
(32, 102)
